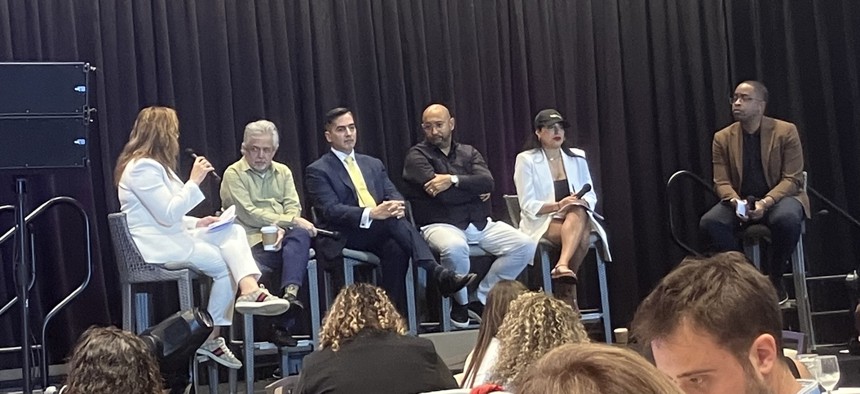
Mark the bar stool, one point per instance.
(286, 363)
(353, 259)
(134, 270)
(752, 237)
(545, 247)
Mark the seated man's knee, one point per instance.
(453, 249)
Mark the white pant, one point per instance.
(225, 257)
(512, 248)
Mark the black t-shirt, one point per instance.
(754, 183)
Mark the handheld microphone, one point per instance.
(585, 189)
(191, 153)
(751, 202)
(327, 233)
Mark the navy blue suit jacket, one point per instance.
(332, 192)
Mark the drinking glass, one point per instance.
(828, 375)
(810, 361)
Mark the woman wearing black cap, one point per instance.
(548, 175)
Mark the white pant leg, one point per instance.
(450, 242)
(207, 259)
(225, 257)
(237, 253)
(513, 250)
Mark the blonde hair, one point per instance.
(498, 301)
(594, 368)
(358, 308)
(535, 324)
(155, 135)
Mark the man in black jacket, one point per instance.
(449, 185)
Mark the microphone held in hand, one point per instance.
(585, 189)
(191, 153)
(326, 233)
(751, 202)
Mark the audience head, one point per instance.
(498, 301)
(359, 308)
(535, 324)
(340, 129)
(259, 144)
(438, 126)
(714, 326)
(549, 132)
(108, 360)
(155, 135)
(749, 101)
(590, 368)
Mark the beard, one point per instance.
(754, 384)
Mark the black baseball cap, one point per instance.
(549, 117)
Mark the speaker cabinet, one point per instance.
(43, 142)
(44, 115)
(44, 88)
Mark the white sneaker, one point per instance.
(217, 350)
(261, 302)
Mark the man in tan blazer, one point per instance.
(757, 157)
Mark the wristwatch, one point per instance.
(455, 180)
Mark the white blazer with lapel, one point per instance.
(155, 203)
(534, 183)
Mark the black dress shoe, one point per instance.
(283, 338)
(854, 346)
(450, 282)
(294, 302)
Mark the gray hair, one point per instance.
(261, 127)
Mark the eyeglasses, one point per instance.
(745, 98)
(257, 150)
(553, 128)
(430, 126)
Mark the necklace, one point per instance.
(553, 158)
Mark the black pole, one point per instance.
(23, 280)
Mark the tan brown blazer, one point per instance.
(781, 156)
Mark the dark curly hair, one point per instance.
(108, 360)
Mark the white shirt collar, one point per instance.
(342, 156)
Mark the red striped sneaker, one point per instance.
(261, 302)
(217, 350)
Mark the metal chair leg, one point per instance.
(313, 289)
(604, 297)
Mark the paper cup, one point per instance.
(270, 237)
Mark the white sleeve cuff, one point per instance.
(365, 219)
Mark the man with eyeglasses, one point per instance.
(758, 157)
(264, 194)
(449, 184)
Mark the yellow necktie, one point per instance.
(365, 200)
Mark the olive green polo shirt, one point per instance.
(261, 199)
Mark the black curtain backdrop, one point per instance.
(644, 83)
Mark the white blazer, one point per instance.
(155, 202)
(533, 179)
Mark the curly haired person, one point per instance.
(364, 349)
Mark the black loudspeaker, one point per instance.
(176, 339)
(33, 89)
(43, 142)
(44, 115)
